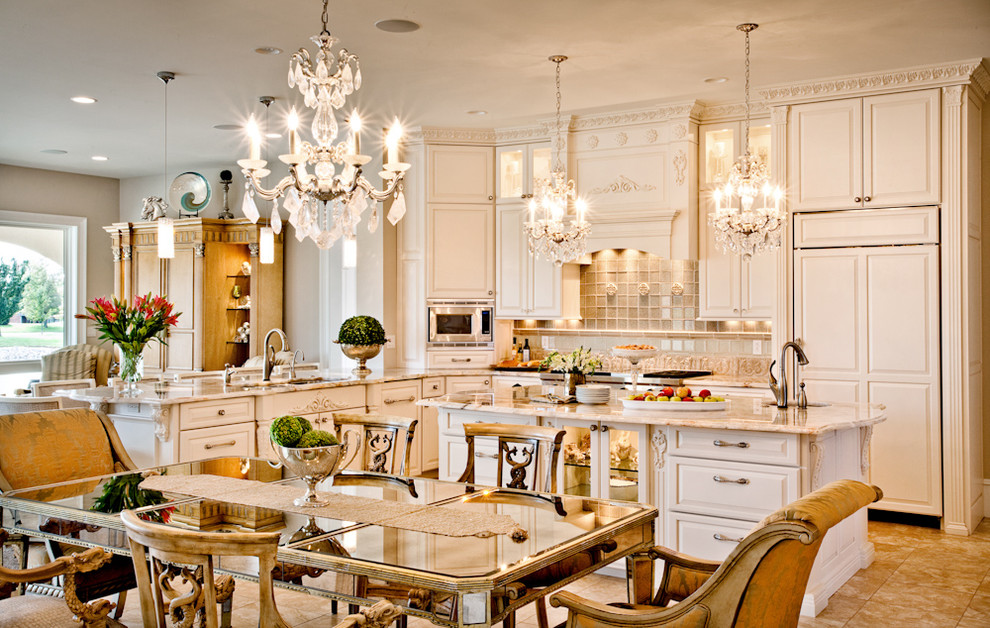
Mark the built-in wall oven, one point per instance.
(461, 324)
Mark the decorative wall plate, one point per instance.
(189, 193)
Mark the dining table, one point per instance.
(468, 554)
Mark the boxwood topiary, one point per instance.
(285, 431)
(361, 330)
(304, 424)
(317, 438)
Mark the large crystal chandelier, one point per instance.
(326, 204)
(748, 217)
(550, 233)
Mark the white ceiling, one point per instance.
(468, 55)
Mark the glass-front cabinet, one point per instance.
(600, 459)
(520, 167)
(721, 145)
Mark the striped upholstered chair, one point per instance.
(77, 362)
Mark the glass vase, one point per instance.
(131, 370)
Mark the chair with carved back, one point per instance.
(54, 612)
(761, 584)
(87, 446)
(42, 389)
(186, 558)
(13, 405)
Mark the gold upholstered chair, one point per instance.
(80, 361)
(87, 446)
(187, 555)
(760, 585)
(54, 612)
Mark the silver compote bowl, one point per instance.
(313, 465)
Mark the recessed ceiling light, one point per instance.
(268, 50)
(54, 151)
(397, 26)
(716, 79)
(273, 135)
(83, 100)
(99, 158)
(477, 112)
(227, 127)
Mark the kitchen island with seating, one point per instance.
(713, 475)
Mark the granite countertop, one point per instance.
(744, 413)
(209, 388)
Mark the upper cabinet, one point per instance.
(721, 145)
(877, 151)
(520, 167)
(460, 223)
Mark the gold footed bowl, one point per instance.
(361, 353)
(312, 465)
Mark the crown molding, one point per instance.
(692, 110)
(430, 134)
(936, 75)
(534, 132)
(733, 111)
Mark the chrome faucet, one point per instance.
(780, 390)
(270, 352)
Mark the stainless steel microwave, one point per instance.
(461, 323)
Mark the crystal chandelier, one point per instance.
(326, 204)
(748, 218)
(550, 233)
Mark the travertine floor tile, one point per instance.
(841, 608)
(923, 596)
(875, 614)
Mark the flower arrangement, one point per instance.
(580, 360)
(121, 492)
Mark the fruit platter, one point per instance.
(681, 399)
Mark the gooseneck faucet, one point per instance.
(780, 390)
(270, 353)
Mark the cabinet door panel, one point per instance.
(759, 286)
(900, 148)
(462, 252)
(511, 172)
(460, 174)
(826, 155)
(511, 287)
(827, 311)
(719, 279)
(545, 289)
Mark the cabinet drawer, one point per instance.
(453, 423)
(312, 401)
(400, 399)
(711, 538)
(214, 442)
(469, 383)
(730, 489)
(864, 227)
(459, 359)
(216, 412)
(433, 387)
(735, 445)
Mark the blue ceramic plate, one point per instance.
(189, 193)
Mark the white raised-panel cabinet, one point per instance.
(878, 151)
(527, 286)
(721, 145)
(461, 249)
(520, 167)
(399, 399)
(460, 174)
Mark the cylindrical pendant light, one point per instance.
(349, 252)
(166, 229)
(166, 238)
(266, 242)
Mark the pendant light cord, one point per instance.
(326, 18)
(165, 142)
(746, 136)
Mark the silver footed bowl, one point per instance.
(361, 353)
(312, 465)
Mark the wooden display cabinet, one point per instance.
(201, 281)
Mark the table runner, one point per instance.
(415, 517)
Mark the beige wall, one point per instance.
(986, 293)
(97, 199)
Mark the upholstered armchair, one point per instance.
(760, 585)
(81, 361)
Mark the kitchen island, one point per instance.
(713, 475)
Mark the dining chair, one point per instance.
(188, 556)
(760, 584)
(527, 459)
(54, 612)
(42, 389)
(87, 446)
(13, 405)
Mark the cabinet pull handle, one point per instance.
(593, 428)
(728, 539)
(720, 479)
(857, 199)
(491, 198)
(410, 399)
(490, 293)
(229, 443)
(722, 443)
(867, 199)
(479, 454)
(487, 382)
(221, 412)
(459, 360)
(604, 428)
(436, 386)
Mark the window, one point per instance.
(42, 256)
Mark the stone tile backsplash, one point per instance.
(632, 297)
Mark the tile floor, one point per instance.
(921, 577)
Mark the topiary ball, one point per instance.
(304, 424)
(317, 438)
(285, 431)
(361, 331)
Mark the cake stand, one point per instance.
(635, 356)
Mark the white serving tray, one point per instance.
(675, 406)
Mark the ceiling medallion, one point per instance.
(551, 234)
(748, 216)
(326, 204)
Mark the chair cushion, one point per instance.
(68, 364)
(35, 611)
(28, 440)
